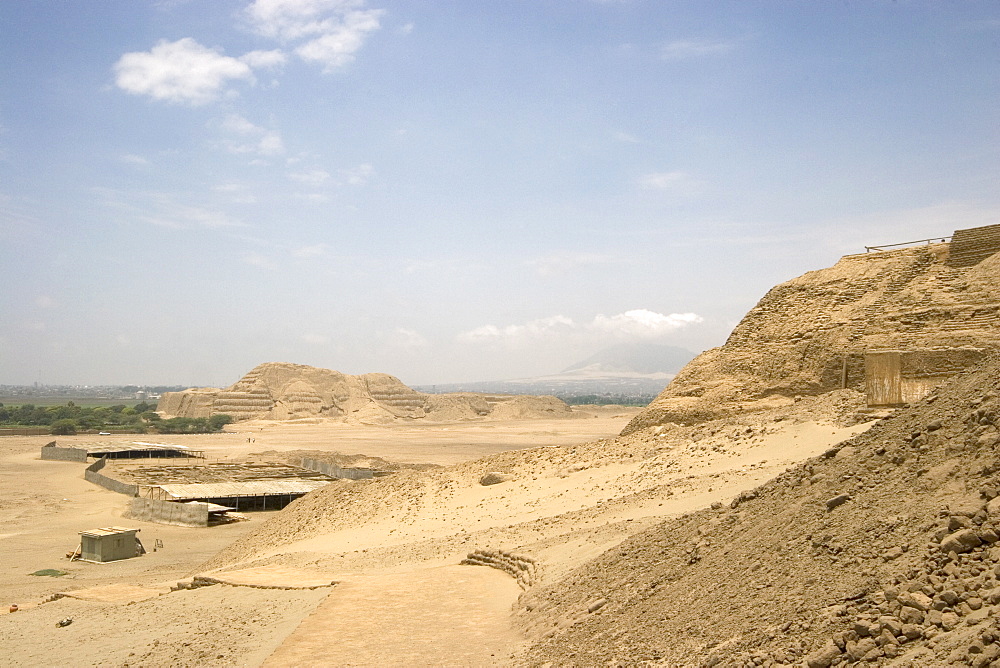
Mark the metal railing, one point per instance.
(932, 240)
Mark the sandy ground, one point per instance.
(393, 544)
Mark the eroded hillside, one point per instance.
(809, 335)
(881, 549)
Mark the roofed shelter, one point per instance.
(109, 544)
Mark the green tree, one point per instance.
(63, 427)
(218, 421)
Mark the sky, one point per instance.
(457, 191)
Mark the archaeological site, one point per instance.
(821, 490)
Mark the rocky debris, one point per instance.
(495, 478)
(905, 573)
(838, 500)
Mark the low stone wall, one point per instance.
(25, 431)
(519, 566)
(92, 475)
(335, 471)
(54, 452)
(168, 512)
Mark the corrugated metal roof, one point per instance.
(211, 507)
(218, 490)
(135, 446)
(107, 531)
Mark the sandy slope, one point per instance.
(399, 539)
(45, 504)
(797, 573)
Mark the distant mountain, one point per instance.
(644, 358)
(627, 373)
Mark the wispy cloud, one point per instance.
(357, 176)
(678, 183)
(315, 250)
(252, 139)
(165, 210)
(329, 32)
(563, 263)
(132, 159)
(625, 137)
(405, 339)
(686, 48)
(312, 177)
(540, 328)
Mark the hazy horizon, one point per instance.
(451, 192)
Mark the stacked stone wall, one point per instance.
(971, 246)
(521, 567)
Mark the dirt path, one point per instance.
(439, 616)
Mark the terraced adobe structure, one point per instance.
(810, 335)
(282, 391)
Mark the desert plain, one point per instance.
(394, 549)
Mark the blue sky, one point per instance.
(456, 191)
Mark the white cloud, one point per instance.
(334, 30)
(625, 137)
(258, 140)
(534, 329)
(684, 49)
(260, 59)
(183, 71)
(238, 125)
(271, 144)
(642, 323)
(45, 301)
(634, 324)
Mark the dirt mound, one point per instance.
(340, 459)
(809, 335)
(563, 505)
(882, 550)
(282, 391)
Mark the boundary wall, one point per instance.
(25, 431)
(52, 451)
(92, 475)
(335, 471)
(167, 512)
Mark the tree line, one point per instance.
(140, 418)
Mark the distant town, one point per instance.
(40, 391)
